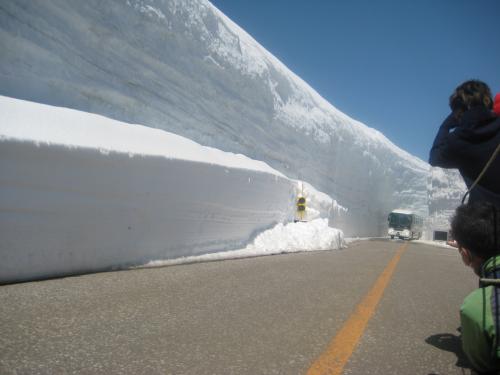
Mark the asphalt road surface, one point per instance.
(266, 315)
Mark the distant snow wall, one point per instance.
(74, 210)
(446, 189)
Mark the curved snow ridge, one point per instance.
(297, 104)
(299, 107)
(34, 122)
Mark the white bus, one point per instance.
(405, 224)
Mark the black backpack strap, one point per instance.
(485, 168)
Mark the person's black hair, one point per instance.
(475, 227)
(470, 94)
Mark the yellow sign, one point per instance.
(301, 207)
(301, 204)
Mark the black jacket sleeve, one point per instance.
(441, 154)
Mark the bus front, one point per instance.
(399, 225)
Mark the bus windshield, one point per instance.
(397, 220)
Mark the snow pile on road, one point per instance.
(283, 238)
(299, 236)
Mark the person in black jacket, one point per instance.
(467, 139)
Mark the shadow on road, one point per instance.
(450, 343)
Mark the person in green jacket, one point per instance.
(475, 228)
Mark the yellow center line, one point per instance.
(333, 360)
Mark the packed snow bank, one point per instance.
(82, 193)
(43, 124)
(283, 238)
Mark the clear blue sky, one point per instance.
(391, 64)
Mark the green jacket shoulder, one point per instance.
(478, 330)
(478, 314)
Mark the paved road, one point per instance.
(267, 315)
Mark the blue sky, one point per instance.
(391, 64)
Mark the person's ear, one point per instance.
(487, 102)
(466, 256)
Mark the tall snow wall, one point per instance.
(183, 66)
(82, 193)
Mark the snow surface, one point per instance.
(82, 193)
(191, 77)
(184, 67)
(60, 126)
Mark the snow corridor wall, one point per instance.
(69, 211)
